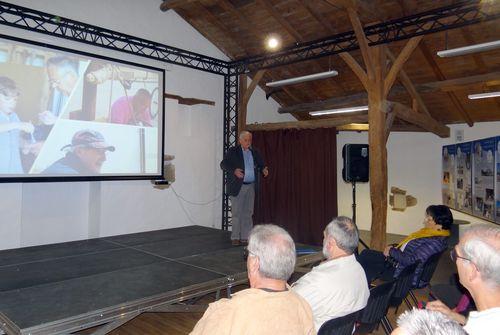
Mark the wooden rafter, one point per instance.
(317, 16)
(398, 63)
(188, 101)
(278, 17)
(356, 68)
(335, 121)
(419, 119)
(361, 98)
(245, 94)
(440, 76)
(408, 84)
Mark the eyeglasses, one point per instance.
(454, 256)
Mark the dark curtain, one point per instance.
(300, 193)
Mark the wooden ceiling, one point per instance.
(240, 27)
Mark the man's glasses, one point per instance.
(454, 256)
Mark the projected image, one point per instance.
(68, 114)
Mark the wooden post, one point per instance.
(377, 113)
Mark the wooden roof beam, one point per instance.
(172, 4)
(408, 84)
(419, 119)
(337, 120)
(362, 97)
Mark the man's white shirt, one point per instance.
(334, 288)
(485, 322)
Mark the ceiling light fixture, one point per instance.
(340, 110)
(484, 95)
(273, 42)
(302, 79)
(469, 49)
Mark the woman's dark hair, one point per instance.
(441, 214)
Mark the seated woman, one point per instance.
(416, 247)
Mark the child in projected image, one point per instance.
(10, 128)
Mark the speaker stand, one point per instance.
(354, 211)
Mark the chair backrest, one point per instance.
(339, 326)
(377, 305)
(403, 285)
(430, 266)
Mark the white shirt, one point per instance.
(334, 288)
(485, 322)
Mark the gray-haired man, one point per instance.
(243, 165)
(425, 322)
(269, 306)
(338, 286)
(477, 257)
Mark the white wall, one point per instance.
(40, 213)
(414, 164)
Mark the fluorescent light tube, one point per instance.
(484, 95)
(340, 110)
(469, 49)
(296, 80)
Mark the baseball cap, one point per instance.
(90, 139)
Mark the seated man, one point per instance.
(423, 322)
(477, 257)
(269, 306)
(337, 286)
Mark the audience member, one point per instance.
(337, 286)
(424, 322)
(269, 306)
(86, 154)
(416, 247)
(477, 257)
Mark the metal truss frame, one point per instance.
(44, 23)
(231, 97)
(458, 15)
(454, 16)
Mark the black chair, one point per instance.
(401, 289)
(339, 326)
(425, 277)
(376, 309)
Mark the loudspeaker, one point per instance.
(356, 168)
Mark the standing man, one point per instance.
(243, 165)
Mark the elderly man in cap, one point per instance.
(85, 155)
(269, 306)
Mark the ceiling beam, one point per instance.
(440, 76)
(317, 16)
(362, 97)
(421, 120)
(338, 120)
(278, 17)
(400, 60)
(408, 84)
(172, 4)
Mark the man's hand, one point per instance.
(239, 173)
(387, 250)
(265, 172)
(442, 308)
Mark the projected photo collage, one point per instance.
(69, 114)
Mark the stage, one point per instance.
(66, 287)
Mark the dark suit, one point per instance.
(241, 196)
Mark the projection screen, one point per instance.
(68, 115)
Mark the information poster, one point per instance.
(448, 178)
(463, 174)
(497, 197)
(483, 196)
